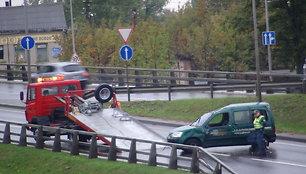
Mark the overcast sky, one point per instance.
(173, 4)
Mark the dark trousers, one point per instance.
(260, 142)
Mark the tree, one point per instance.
(288, 21)
(150, 42)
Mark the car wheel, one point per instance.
(104, 93)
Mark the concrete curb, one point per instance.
(170, 123)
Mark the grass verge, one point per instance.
(289, 110)
(27, 160)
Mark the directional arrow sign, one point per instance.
(27, 42)
(268, 38)
(125, 33)
(126, 52)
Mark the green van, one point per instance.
(227, 126)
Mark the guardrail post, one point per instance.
(211, 90)
(129, 93)
(7, 134)
(23, 136)
(112, 154)
(132, 153)
(172, 75)
(39, 138)
(194, 168)
(93, 147)
(137, 80)
(75, 144)
(24, 74)
(10, 75)
(218, 169)
(191, 82)
(169, 93)
(57, 141)
(304, 86)
(173, 158)
(120, 78)
(152, 157)
(155, 81)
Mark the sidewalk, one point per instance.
(170, 123)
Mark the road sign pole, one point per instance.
(27, 52)
(269, 47)
(127, 80)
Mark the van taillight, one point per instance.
(85, 74)
(273, 129)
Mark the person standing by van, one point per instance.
(259, 124)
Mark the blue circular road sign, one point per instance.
(27, 42)
(126, 52)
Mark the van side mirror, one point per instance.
(21, 96)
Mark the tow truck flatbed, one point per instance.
(114, 122)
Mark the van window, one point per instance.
(221, 119)
(262, 112)
(46, 91)
(243, 117)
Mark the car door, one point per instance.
(218, 130)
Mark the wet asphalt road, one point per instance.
(285, 157)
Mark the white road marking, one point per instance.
(279, 162)
(12, 111)
(221, 154)
(290, 144)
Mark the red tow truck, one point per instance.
(63, 104)
(47, 102)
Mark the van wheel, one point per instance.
(193, 142)
(104, 93)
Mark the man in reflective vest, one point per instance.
(259, 124)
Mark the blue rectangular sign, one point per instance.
(268, 38)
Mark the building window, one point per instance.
(1, 52)
(42, 53)
(19, 54)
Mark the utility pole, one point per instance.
(27, 55)
(72, 29)
(269, 47)
(258, 85)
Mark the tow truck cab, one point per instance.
(41, 105)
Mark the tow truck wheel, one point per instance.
(104, 93)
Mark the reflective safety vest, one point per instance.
(258, 122)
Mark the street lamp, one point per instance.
(258, 85)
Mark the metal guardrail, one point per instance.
(159, 154)
(168, 81)
(156, 77)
